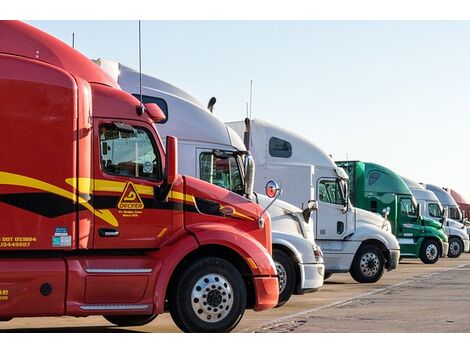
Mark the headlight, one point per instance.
(317, 253)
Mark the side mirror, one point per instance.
(155, 113)
(385, 212)
(171, 164)
(311, 206)
(418, 209)
(272, 189)
(249, 175)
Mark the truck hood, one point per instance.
(431, 223)
(367, 217)
(205, 202)
(454, 224)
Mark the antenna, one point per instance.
(140, 62)
(73, 40)
(251, 96)
(141, 108)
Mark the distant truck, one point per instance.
(352, 240)
(380, 190)
(213, 152)
(95, 218)
(463, 204)
(432, 208)
(455, 217)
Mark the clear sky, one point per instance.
(396, 93)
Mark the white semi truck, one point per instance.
(352, 240)
(213, 152)
(432, 208)
(454, 214)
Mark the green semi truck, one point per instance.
(378, 189)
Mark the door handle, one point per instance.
(339, 227)
(108, 232)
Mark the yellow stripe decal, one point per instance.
(7, 178)
(243, 216)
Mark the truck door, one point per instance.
(127, 165)
(331, 219)
(408, 227)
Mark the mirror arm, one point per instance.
(261, 220)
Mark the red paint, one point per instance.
(53, 101)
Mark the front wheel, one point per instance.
(429, 252)
(130, 320)
(455, 247)
(210, 296)
(286, 274)
(368, 264)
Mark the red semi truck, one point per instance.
(94, 217)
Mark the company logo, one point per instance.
(227, 210)
(130, 199)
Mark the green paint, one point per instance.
(375, 188)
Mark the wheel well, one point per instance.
(295, 260)
(381, 246)
(215, 251)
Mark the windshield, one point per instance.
(454, 213)
(434, 210)
(222, 170)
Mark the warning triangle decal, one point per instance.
(130, 199)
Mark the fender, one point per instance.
(299, 246)
(455, 232)
(255, 255)
(170, 256)
(368, 232)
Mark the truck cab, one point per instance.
(213, 152)
(464, 206)
(431, 207)
(351, 239)
(378, 189)
(95, 218)
(455, 217)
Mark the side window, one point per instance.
(129, 154)
(407, 207)
(329, 191)
(373, 177)
(434, 210)
(279, 148)
(222, 172)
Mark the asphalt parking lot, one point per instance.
(414, 298)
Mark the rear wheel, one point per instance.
(210, 296)
(368, 264)
(430, 251)
(286, 274)
(455, 247)
(130, 320)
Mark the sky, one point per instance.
(392, 92)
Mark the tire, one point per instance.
(130, 320)
(368, 265)
(430, 251)
(327, 276)
(209, 296)
(286, 274)
(455, 247)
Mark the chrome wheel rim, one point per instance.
(454, 248)
(431, 251)
(212, 298)
(282, 276)
(370, 264)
